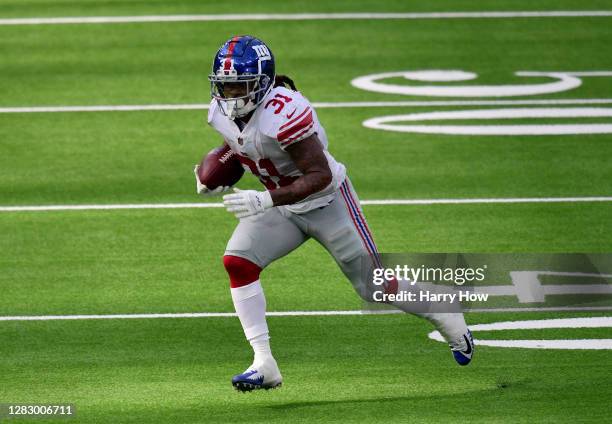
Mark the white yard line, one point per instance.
(302, 17)
(277, 314)
(181, 315)
(387, 202)
(108, 207)
(320, 105)
(486, 200)
(101, 108)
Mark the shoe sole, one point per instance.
(248, 387)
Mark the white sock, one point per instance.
(250, 305)
(451, 325)
(261, 348)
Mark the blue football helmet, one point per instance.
(242, 75)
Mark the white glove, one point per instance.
(245, 203)
(205, 191)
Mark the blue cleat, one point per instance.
(265, 376)
(463, 350)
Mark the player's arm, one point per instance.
(310, 159)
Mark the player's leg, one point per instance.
(254, 244)
(342, 229)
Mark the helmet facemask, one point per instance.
(238, 95)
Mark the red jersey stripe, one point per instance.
(288, 123)
(298, 135)
(303, 123)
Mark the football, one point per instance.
(220, 167)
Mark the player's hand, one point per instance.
(205, 191)
(243, 203)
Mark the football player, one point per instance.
(277, 136)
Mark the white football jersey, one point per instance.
(283, 118)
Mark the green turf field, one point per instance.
(370, 368)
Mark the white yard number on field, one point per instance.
(561, 81)
(572, 344)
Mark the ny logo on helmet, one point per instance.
(262, 52)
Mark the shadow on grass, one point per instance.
(414, 399)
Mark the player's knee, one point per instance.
(241, 271)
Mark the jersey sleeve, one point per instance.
(294, 122)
